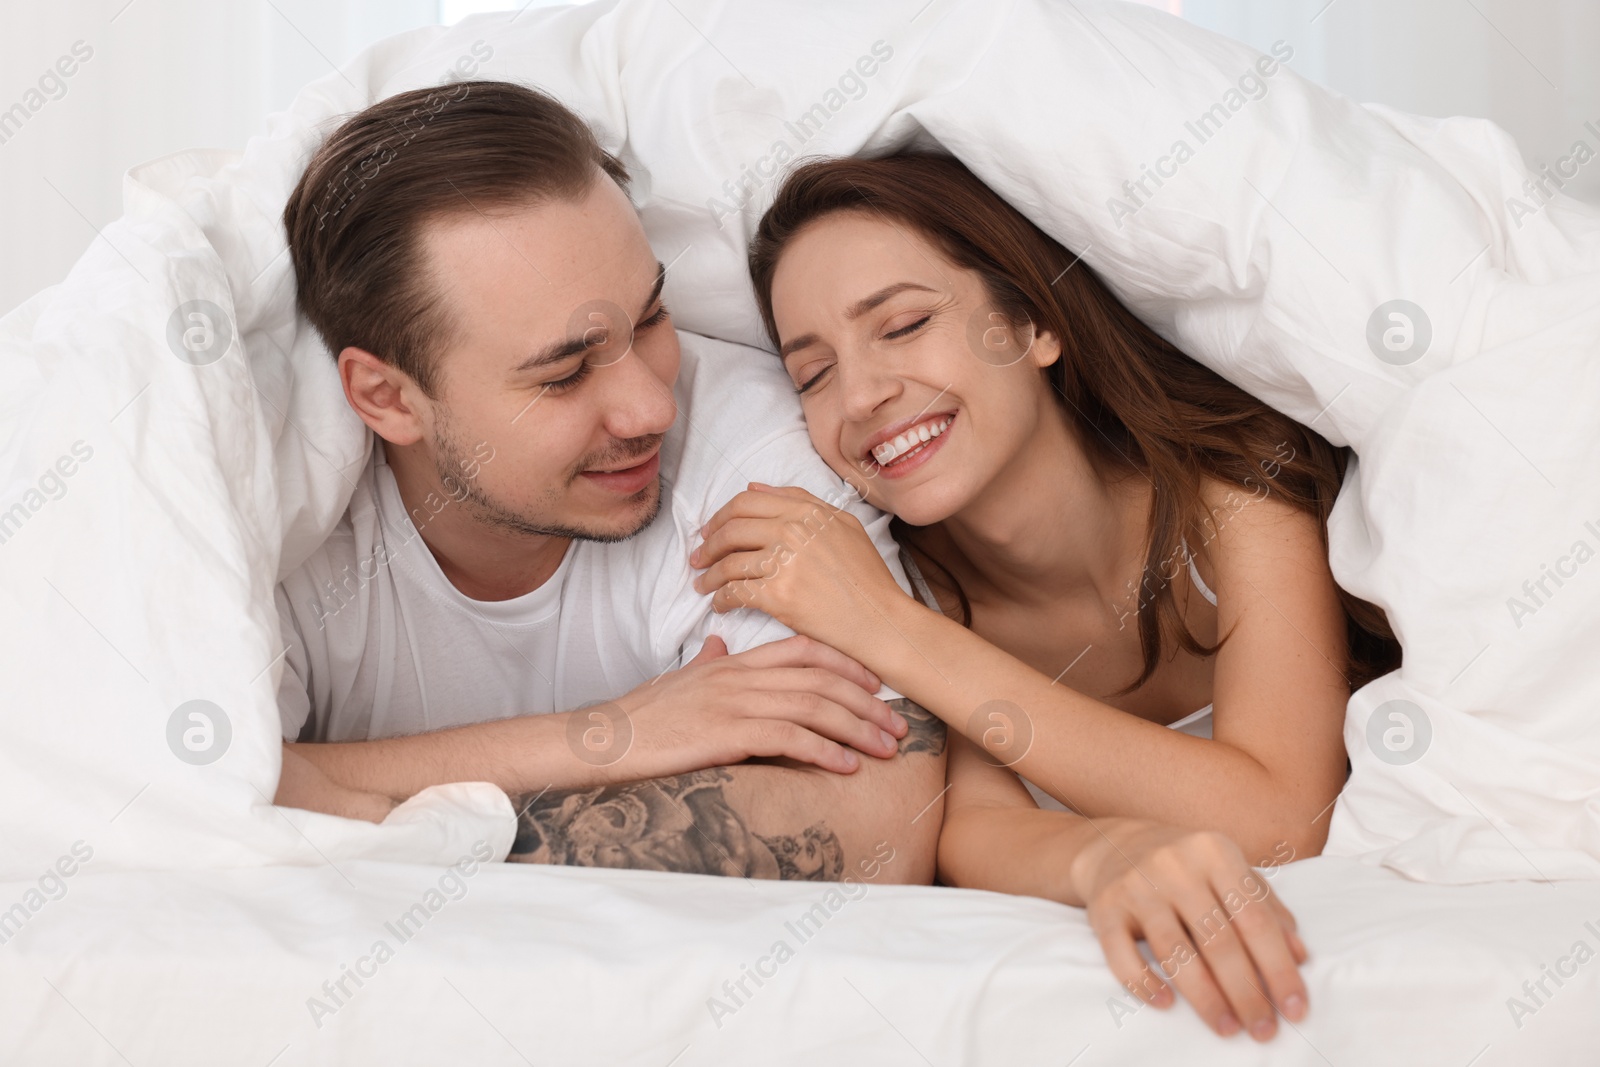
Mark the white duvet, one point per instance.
(155, 481)
(575, 968)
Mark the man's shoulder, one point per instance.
(714, 372)
(336, 573)
(738, 418)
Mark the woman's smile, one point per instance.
(906, 451)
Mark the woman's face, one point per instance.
(914, 388)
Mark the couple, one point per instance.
(997, 509)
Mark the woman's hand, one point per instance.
(801, 560)
(1212, 922)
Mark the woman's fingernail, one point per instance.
(849, 760)
(1227, 1026)
(888, 741)
(1294, 1006)
(899, 722)
(1263, 1028)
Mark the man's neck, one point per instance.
(483, 561)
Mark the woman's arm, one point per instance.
(1275, 763)
(1220, 935)
(1276, 759)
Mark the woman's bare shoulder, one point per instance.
(1248, 521)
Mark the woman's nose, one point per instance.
(863, 387)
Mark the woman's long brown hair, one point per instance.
(1136, 402)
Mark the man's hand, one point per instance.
(795, 699)
(1214, 925)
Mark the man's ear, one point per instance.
(387, 398)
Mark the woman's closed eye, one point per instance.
(908, 329)
(893, 335)
(814, 379)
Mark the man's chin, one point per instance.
(627, 519)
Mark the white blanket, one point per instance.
(517, 965)
(140, 582)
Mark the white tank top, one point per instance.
(1196, 724)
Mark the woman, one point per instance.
(1118, 541)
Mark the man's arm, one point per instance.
(518, 754)
(793, 698)
(302, 784)
(755, 820)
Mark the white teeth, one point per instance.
(890, 451)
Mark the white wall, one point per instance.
(172, 74)
(163, 75)
(1529, 65)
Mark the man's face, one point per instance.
(559, 368)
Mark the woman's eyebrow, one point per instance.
(854, 311)
(867, 303)
(805, 340)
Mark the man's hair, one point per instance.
(355, 219)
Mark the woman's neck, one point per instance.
(1049, 527)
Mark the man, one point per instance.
(508, 597)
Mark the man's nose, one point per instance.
(638, 404)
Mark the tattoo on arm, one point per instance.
(680, 823)
(815, 856)
(927, 731)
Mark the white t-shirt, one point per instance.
(381, 644)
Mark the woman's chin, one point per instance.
(924, 502)
(920, 505)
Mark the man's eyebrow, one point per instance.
(854, 311)
(556, 351)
